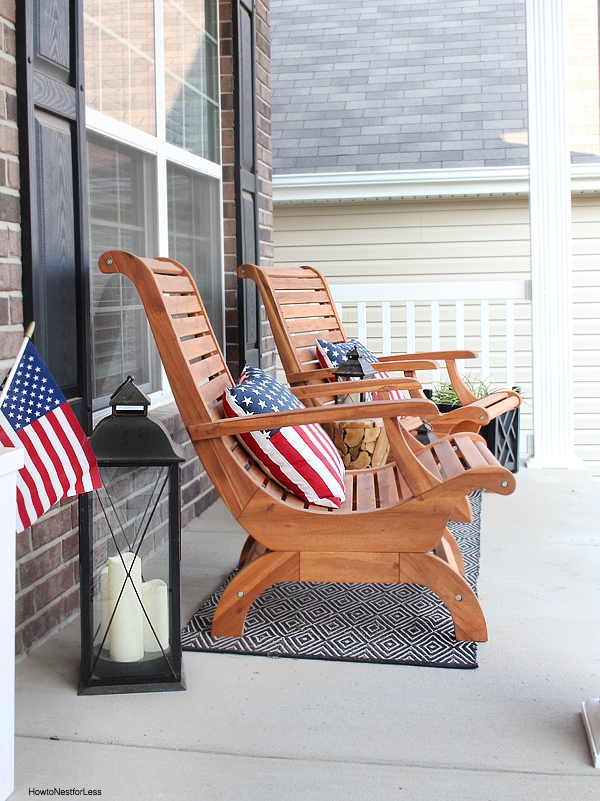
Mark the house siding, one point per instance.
(476, 239)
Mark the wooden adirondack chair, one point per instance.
(391, 527)
(301, 310)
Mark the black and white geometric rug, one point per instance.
(402, 624)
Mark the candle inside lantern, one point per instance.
(126, 633)
(105, 609)
(156, 603)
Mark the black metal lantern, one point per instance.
(130, 555)
(355, 367)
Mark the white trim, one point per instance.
(119, 131)
(114, 129)
(11, 460)
(419, 184)
(427, 291)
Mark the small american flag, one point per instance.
(35, 416)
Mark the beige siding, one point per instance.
(412, 241)
(474, 239)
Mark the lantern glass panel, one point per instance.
(131, 572)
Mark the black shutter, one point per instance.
(54, 219)
(246, 182)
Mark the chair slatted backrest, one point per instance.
(194, 364)
(303, 311)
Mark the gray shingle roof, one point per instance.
(393, 84)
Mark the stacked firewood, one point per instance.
(361, 443)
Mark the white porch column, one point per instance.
(11, 459)
(550, 221)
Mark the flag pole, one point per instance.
(6, 384)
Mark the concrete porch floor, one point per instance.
(259, 729)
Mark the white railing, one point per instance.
(375, 307)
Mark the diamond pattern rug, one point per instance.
(403, 624)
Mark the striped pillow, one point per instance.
(303, 459)
(334, 354)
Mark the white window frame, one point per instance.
(163, 153)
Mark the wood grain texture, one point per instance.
(296, 325)
(392, 516)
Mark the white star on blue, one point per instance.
(32, 392)
(257, 388)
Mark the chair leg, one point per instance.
(244, 589)
(462, 512)
(245, 552)
(449, 551)
(251, 551)
(430, 571)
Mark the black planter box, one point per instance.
(501, 435)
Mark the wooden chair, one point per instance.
(392, 526)
(301, 310)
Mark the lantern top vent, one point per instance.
(129, 394)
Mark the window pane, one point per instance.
(191, 76)
(119, 60)
(121, 341)
(584, 109)
(194, 236)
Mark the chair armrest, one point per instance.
(398, 363)
(322, 414)
(322, 374)
(332, 388)
(442, 355)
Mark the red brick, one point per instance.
(10, 342)
(14, 244)
(54, 587)
(16, 310)
(11, 107)
(13, 175)
(19, 647)
(10, 41)
(4, 252)
(39, 627)
(23, 543)
(25, 607)
(8, 9)
(70, 546)
(9, 138)
(70, 603)
(10, 209)
(51, 527)
(39, 565)
(8, 74)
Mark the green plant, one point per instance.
(444, 392)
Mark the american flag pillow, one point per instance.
(303, 459)
(334, 354)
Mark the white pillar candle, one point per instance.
(105, 607)
(126, 633)
(156, 603)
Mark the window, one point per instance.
(119, 180)
(153, 120)
(194, 234)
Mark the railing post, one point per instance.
(11, 460)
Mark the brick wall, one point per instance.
(11, 306)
